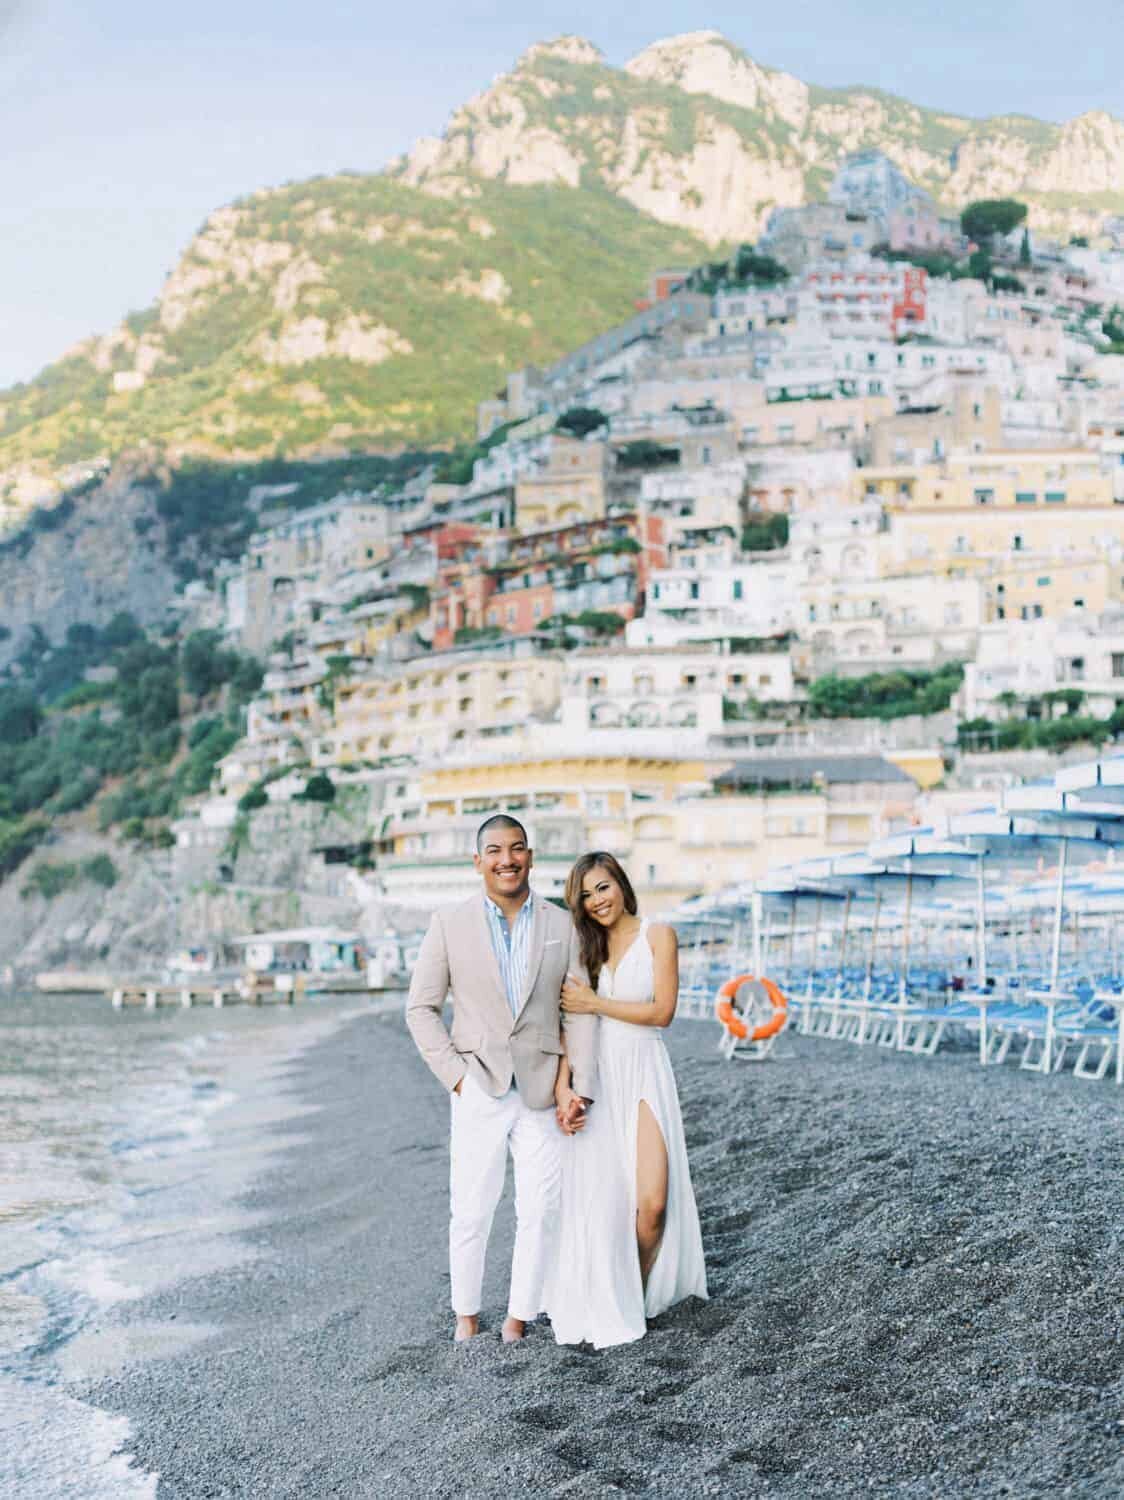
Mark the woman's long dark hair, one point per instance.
(593, 938)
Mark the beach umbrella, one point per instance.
(929, 850)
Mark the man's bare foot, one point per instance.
(467, 1328)
(513, 1330)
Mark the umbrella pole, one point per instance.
(765, 936)
(755, 931)
(873, 941)
(791, 961)
(981, 927)
(903, 978)
(1055, 958)
(841, 971)
(815, 947)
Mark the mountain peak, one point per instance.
(569, 48)
(706, 62)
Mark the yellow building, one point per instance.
(1029, 481)
(568, 486)
(830, 423)
(1037, 589)
(970, 419)
(433, 703)
(678, 826)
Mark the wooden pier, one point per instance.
(258, 989)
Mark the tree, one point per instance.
(763, 270)
(991, 216)
(20, 715)
(318, 788)
(643, 453)
(204, 664)
(581, 421)
(764, 531)
(979, 265)
(1024, 249)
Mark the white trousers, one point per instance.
(484, 1129)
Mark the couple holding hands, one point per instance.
(556, 1054)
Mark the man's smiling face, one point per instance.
(505, 863)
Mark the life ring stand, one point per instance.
(724, 1009)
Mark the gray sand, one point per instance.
(917, 1280)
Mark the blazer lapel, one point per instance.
(534, 957)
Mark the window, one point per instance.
(1043, 583)
(1026, 497)
(1055, 497)
(1017, 543)
(1118, 663)
(1079, 604)
(693, 590)
(536, 612)
(984, 497)
(737, 588)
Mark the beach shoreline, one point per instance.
(916, 1290)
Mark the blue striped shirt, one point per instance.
(511, 943)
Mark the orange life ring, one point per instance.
(724, 1009)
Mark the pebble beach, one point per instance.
(917, 1289)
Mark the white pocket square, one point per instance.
(552, 942)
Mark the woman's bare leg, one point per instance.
(651, 1188)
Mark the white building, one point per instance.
(1017, 660)
(634, 698)
(883, 621)
(737, 599)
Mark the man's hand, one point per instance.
(569, 1109)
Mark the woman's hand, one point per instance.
(569, 1109)
(577, 998)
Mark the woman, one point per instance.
(629, 1244)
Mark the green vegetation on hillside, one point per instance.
(474, 287)
(884, 695)
(58, 754)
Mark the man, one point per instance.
(504, 955)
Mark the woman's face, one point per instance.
(602, 897)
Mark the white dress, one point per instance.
(594, 1292)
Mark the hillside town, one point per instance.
(651, 608)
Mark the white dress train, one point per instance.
(594, 1292)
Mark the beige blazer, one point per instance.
(486, 1040)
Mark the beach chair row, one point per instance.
(1043, 1030)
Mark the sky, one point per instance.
(126, 122)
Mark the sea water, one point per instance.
(126, 1141)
